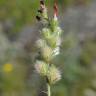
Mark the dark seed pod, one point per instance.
(40, 11)
(42, 2)
(38, 18)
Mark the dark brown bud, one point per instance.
(42, 2)
(38, 18)
(40, 11)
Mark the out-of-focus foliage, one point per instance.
(18, 12)
(21, 12)
(89, 54)
(77, 68)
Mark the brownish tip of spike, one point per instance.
(55, 9)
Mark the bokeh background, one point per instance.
(19, 30)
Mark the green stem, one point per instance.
(48, 89)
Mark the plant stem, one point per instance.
(48, 89)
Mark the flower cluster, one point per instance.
(48, 44)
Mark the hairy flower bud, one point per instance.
(52, 38)
(54, 75)
(47, 53)
(41, 68)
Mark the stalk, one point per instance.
(48, 89)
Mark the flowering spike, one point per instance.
(48, 45)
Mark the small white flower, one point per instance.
(58, 42)
(55, 18)
(56, 51)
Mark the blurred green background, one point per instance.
(19, 30)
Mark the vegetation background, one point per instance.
(18, 32)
